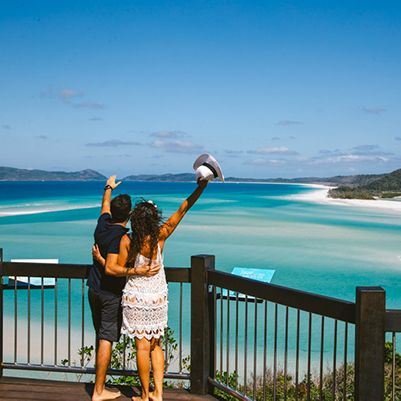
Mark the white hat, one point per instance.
(207, 167)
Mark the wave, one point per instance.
(23, 205)
(12, 212)
(207, 201)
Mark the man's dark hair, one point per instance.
(120, 208)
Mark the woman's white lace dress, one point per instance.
(144, 303)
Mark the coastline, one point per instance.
(320, 195)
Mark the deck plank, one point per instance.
(21, 389)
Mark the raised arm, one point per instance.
(111, 184)
(171, 224)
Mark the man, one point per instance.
(106, 285)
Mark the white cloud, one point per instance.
(169, 134)
(69, 97)
(273, 150)
(70, 93)
(88, 105)
(266, 162)
(357, 154)
(374, 110)
(358, 158)
(176, 146)
(365, 148)
(349, 158)
(113, 143)
(286, 123)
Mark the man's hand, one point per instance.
(110, 185)
(96, 252)
(97, 255)
(202, 183)
(112, 182)
(146, 270)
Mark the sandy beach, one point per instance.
(320, 195)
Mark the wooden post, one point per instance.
(212, 335)
(201, 335)
(369, 343)
(1, 312)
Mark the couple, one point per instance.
(127, 285)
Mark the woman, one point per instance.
(145, 298)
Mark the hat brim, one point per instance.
(209, 159)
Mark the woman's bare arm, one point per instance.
(171, 224)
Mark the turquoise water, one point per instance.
(319, 248)
(326, 249)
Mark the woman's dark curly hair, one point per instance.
(146, 220)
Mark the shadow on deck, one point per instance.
(22, 389)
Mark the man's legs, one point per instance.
(100, 315)
(103, 357)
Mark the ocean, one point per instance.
(321, 248)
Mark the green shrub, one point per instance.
(277, 388)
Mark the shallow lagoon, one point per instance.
(320, 248)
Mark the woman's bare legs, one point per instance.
(143, 364)
(157, 356)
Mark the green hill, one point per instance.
(355, 180)
(16, 174)
(370, 187)
(389, 182)
(182, 177)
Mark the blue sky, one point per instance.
(271, 88)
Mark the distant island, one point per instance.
(190, 177)
(363, 186)
(17, 174)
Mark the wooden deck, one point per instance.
(20, 389)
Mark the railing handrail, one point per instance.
(79, 271)
(309, 302)
(393, 320)
(53, 270)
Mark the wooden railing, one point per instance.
(248, 339)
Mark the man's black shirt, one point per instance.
(107, 237)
